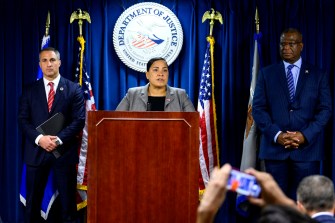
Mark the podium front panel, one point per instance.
(143, 166)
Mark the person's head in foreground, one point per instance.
(283, 214)
(315, 194)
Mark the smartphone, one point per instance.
(243, 183)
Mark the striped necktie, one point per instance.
(51, 95)
(290, 81)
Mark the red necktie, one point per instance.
(51, 95)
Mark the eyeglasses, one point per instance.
(291, 44)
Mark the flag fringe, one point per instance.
(81, 40)
(81, 187)
(81, 205)
(211, 41)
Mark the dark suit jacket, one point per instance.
(325, 219)
(309, 113)
(136, 99)
(33, 111)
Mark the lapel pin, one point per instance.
(61, 88)
(306, 71)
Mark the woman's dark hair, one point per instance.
(152, 60)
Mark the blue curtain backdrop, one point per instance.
(22, 25)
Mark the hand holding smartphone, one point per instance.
(243, 183)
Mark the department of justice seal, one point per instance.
(146, 30)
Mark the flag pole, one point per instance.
(50, 190)
(250, 140)
(80, 16)
(213, 16)
(47, 25)
(257, 20)
(83, 79)
(209, 148)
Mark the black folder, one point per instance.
(51, 127)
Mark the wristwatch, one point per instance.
(57, 142)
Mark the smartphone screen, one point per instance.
(243, 183)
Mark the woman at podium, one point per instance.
(157, 95)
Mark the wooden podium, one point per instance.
(143, 166)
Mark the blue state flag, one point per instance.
(50, 191)
(45, 44)
(250, 140)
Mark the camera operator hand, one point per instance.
(270, 190)
(215, 194)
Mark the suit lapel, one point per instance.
(41, 93)
(283, 80)
(170, 96)
(303, 75)
(144, 95)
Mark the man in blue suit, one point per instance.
(39, 149)
(315, 197)
(291, 114)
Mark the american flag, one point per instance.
(84, 80)
(208, 151)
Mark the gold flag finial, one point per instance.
(257, 21)
(214, 15)
(47, 24)
(80, 15)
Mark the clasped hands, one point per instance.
(48, 142)
(291, 140)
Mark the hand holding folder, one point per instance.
(51, 127)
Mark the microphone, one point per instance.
(148, 106)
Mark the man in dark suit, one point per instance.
(39, 150)
(315, 197)
(291, 106)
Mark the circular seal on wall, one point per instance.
(146, 30)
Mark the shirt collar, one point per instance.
(322, 213)
(55, 81)
(296, 64)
